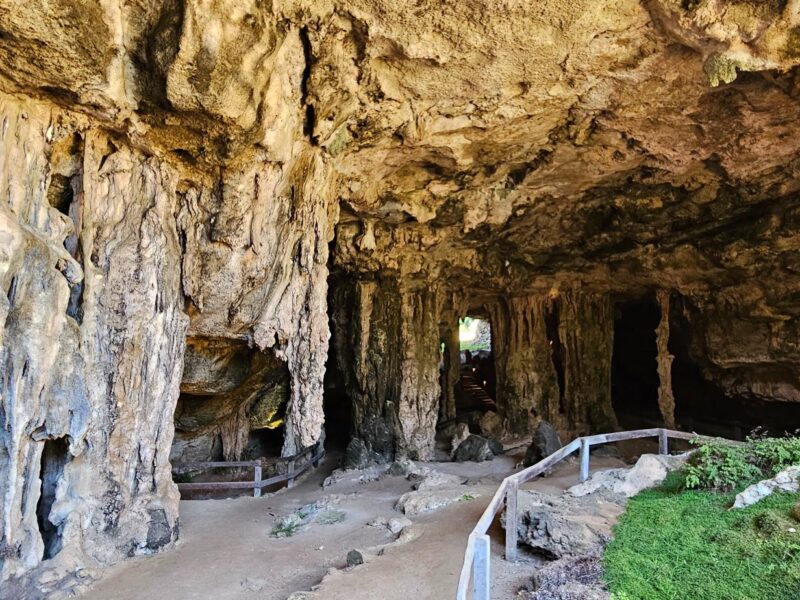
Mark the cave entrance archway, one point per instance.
(477, 386)
(231, 407)
(634, 374)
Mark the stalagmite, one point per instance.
(666, 400)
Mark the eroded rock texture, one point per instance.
(183, 175)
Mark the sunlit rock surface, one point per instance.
(192, 171)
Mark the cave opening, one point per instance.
(55, 456)
(231, 407)
(476, 389)
(704, 406)
(634, 373)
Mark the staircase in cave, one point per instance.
(474, 395)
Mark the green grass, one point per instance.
(686, 545)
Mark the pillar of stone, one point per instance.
(527, 385)
(666, 400)
(586, 331)
(388, 338)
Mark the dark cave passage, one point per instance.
(703, 406)
(634, 378)
(55, 456)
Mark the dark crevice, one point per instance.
(55, 456)
(634, 374)
(308, 107)
(556, 351)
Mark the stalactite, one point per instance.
(586, 330)
(666, 400)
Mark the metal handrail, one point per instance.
(477, 559)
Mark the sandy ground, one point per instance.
(226, 550)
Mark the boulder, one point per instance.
(491, 425)
(358, 456)
(648, 472)
(355, 558)
(475, 448)
(460, 433)
(545, 442)
(566, 526)
(785, 481)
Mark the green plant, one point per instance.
(723, 466)
(287, 526)
(466, 498)
(718, 465)
(329, 517)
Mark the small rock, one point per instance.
(496, 446)
(545, 441)
(355, 558)
(397, 524)
(402, 467)
(460, 433)
(475, 448)
(254, 584)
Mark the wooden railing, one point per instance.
(295, 467)
(477, 557)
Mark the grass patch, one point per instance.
(675, 544)
(287, 526)
(466, 498)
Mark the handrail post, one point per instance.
(511, 519)
(257, 482)
(290, 472)
(584, 459)
(663, 441)
(481, 574)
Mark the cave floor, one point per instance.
(226, 550)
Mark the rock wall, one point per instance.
(111, 257)
(92, 341)
(389, 353)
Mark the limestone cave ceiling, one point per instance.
(497, 145)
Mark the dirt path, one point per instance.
(226, 551)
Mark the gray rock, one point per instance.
(358, 456)
(648, 472)
(495, 446)
(566, 526)
(786, 481)
(460, 432)
(475, 448)
(545, 442)
(355, 558)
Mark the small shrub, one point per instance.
(719, 466)
(466, 498)
(287, 526)
(722, 466)
(767, 523)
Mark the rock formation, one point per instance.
(179, 179)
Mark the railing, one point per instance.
(293, 471)
(477, 556)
